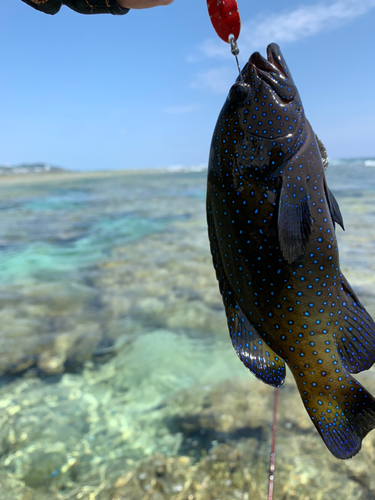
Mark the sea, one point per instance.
(117, 376)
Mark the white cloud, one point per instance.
(302, 22)
(176, 110)
(218, 80)
(289, 26)
(213, 48)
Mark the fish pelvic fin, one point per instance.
(341, 409)
(294, 219)
(355, 340)
(254, 353)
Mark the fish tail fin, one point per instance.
(341, 409)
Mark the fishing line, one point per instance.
(271, 477)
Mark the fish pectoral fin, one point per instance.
(356, 339)
(334, 207)
(294, 220)
(254, 353)
(341, 409)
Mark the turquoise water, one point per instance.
(118, 380)
(51, 254)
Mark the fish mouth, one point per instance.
(274, 72)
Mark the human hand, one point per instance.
(142, 4)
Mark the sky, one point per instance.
(144, 90)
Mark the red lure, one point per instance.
(225, 18)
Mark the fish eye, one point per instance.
(238, 92)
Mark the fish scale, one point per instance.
(271, 222)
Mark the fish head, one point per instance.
(266, 107)
(267, 90)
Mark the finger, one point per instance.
(142, 4)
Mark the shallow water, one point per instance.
(118, 380)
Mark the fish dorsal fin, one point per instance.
(332, 203)
(294, 220)
(252, 350)
(323, 152)
(356, 338)
(333, 206)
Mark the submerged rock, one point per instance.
(142, 396)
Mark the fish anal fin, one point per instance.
(342, 410)
(254, 353)
(356, 338)
(294, 219)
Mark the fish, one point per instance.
(272, 228)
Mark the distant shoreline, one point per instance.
(70, 175)
(59, 174)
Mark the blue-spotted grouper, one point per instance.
(271, 223)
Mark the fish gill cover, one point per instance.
(271, 223)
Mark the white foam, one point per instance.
(187, 168)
